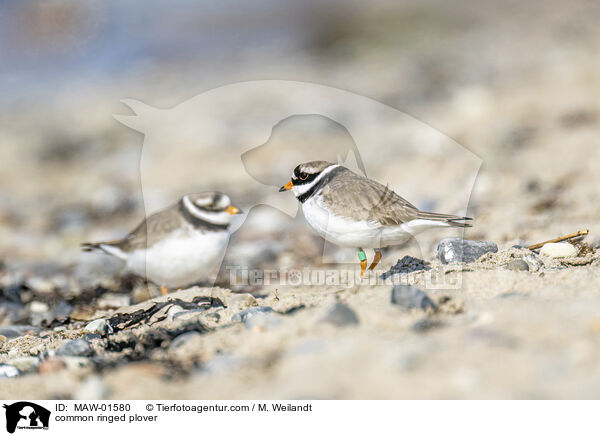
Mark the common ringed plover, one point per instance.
(177, 246)
(351, 210)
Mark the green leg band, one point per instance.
(362, 256)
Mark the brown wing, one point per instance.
(148, 232)
(366, 199)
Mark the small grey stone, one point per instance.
(62, 310)
(453, 250)
(13, 331)
(267, 320)
(517, 265)
(8, 371)
(341, 315)
(76, 347)
(178, 341)
(426, 324)
(411, 297)
(533, 262)
(596, 243)
(91, 337)
(97, 326)
(244, 315)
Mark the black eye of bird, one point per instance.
(303, 176)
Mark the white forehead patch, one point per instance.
(203, 201)
(223, 202)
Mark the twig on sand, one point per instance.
(559, 239)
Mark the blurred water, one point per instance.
(45, 45)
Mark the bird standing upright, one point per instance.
(351, 210)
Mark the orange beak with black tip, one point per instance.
(233, 210)
(287, 186)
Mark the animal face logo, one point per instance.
(26, 415)
(245, 139)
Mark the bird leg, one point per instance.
(363, 262)
(376, 259)
(164, 290)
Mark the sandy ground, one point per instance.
(523, 103)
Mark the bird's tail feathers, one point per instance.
(452, 220)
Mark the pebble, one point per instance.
(411, 297)
(557, 250)
(178, 341)
(406, 265)
(263, 321)
(13, 331)
(340, 315)
(426, 324)
(97, 326)
(517, 265)
(92, 388)
(173, 311)
(24, 364)
(8, 371)
(244, 315)
(38, 307)
(533, 262)
(596, 243)
(63, 310)
(453, 250)
(76, 347)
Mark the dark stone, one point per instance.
(406, 265)
(13, 292)
(454, 250)
(91, 337)
(76, 347)
(517, 265)
(411, 297)
(341, 315)
(13, 313)
(426, 324)
(63, 310)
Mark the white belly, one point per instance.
(346, 232)
(182, 259)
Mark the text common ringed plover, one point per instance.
(177, 246)
(351, 210)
